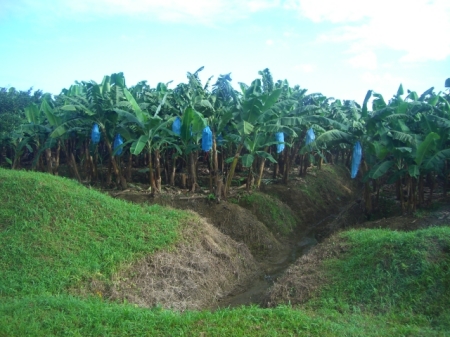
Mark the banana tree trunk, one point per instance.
(91, 163)
(445, 184)
(249, 182)
(300, 165)
(233, 168)
(413, 194)
(129, 166)
(367, 190)
(151, 174)
(58, 152)
(108, 178)
(432, 183)
(16, 161)
(290, 158)
(70, 160)
(306, 164)
(120, 180)
(286, 166)
(402, 195)
(376, 189)
(261, 169)
(48, 159)
(421, 190)
(157, 172)
(173, 171)
(276, 168)
(39, 162)
(74, 166)
(166, 166)
(319, 160)
(214, 176)
(192, 172)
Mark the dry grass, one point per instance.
(231, 219)
(203, 268)
(306, 276)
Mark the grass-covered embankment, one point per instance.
(403, 275)
(56, 234)
(277, 216)
(61, 316)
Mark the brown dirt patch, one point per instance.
(200, 270)
(232, 220)
(304, 278)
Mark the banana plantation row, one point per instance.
(104, 131)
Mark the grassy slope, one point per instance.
(269, 210)
(56, 234)
(405, 275)
(61, 316)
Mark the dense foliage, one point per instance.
(403, 140)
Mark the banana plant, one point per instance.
(193, 102)
(192, 125)
(250, 111)
(89, 103)
(151, 133)
(255, 145)
(41, 122)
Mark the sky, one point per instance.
(338, 48)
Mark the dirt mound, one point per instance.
(302, 279)
(238, 223)
(203, 268)
(320, 197)
(278, 217)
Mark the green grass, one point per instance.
(326, 182)
(56, 234)
(399, 274)
(69, 316)
(277, 217)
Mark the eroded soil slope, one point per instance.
(204, 267)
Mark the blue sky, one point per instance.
(338, 48)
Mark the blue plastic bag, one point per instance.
(310, 136)
(117, 142)
(206, 139)
(279, 137)
(356, 159)
(95, 134)
(176, 126)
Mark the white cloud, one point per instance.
(257, 5)
(335, 11)
(198, 11)
(269, 42)
(418, 28)
(384, 83)
(366, 60)
(305, 67)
